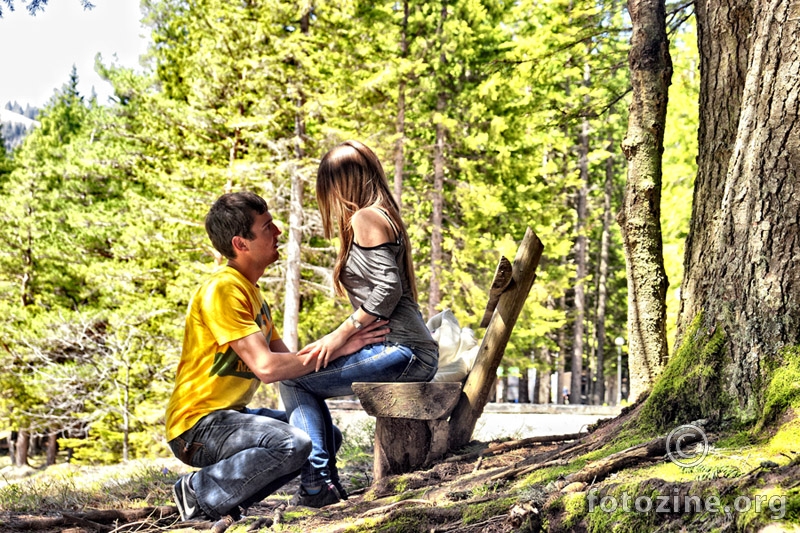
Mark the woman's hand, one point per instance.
(335, 344)
(321, 350)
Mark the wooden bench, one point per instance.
(418, 423)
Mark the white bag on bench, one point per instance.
(458, 347)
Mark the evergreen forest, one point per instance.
(489, 117)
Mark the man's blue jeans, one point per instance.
(304, 397)
(243, 457)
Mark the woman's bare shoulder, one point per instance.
(371, 228)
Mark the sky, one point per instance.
(37, 51)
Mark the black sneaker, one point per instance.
(185, 498)
(326, 496)
(336, 483)
(340, 489)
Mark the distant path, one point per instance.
(503, 420)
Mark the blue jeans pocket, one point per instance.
(184, 451)
(418, 370)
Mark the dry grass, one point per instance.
(74, 487)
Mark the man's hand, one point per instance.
(332, 346)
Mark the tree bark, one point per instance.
(52, 448)
(640, 216)
(400, 127)
(580, 258)
(602, 285)
(561, 364)
(741, 269)
(291, 304)
(26, 280)
(542, 393)
(126, 417)
(524, 397)
(434, 292)
(21, 448)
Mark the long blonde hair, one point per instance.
(351, 177)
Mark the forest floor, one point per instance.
(601, 481)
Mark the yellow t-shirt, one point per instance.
(210, 375)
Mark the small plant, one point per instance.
(703, 472)
(354, 459)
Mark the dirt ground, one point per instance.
(490, 487)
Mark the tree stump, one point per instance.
(411, 430)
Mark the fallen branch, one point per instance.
(522, 443)
(91, 524)
(599, 470)
(95, 520)
(523, 470)
(386, 508)
(465, 457)
(459, 526)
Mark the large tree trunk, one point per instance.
(741, 269)
(26, 280)
(126, 419)
(639, 218)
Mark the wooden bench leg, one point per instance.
(404, 445)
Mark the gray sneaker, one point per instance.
(185, 498)
(327, 495)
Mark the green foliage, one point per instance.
(6, 163)
(401, 523)
(792, 506)
(103, 206)
(679, 165)
(690, 387)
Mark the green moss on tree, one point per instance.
(690, 387)
(575, 508)
(783, 390)
(478, 512)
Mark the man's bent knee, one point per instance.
(301, 442)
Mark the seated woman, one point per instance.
(374, 268)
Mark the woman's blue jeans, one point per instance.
(243, 456)
(304, 397)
